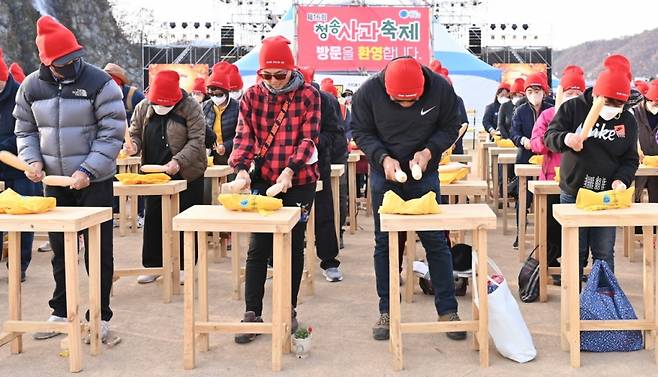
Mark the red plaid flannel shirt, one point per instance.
(294, 143)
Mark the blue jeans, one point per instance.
(25, 187)
(601, 240)
(438, 254)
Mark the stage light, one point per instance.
(196, 25)
(525, 26)
(172, 25)
(208, 25)
(514, 26)
(503, 26)
(183, 25)
(493, 26)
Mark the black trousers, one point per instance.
(553, 233)
(326, 243)
(260, 249)
(152, 245)
(98, 194)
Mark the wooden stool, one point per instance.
(571, 218)
(203, 219)
(494, 152)
(337, 170)
(218, 175)
(69, 220)
(352, 159)
(506, 160)
(169, 192)
(475, 217)
(128, 165)
(523, 171)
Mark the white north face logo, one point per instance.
(80, 92)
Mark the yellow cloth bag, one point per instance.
(16, 204)
(452, 176)
(211, 161)
(250, 203)
(651, 161)
(445, 157)
(557, 174)
(611, 199)
(537, 159)
(141, 179)
(503, 143)
(424, 205)
(122, 155)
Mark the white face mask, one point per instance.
(162, 110)
(516, 100)
(652, 107)
(609, 112)
(503, 100)
(535, 98)
(218, 100)
(235, 95)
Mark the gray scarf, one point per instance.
(296, 81)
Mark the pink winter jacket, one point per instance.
(551, 159)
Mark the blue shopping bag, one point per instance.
(603, 299)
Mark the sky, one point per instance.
(570, 22)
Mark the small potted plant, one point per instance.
(301, 341)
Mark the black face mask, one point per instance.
(69, 71)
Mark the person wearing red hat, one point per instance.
(490, 118)
(168, 129)
(70, 121)
(199, 90)
(221, 112)
(12, 178)
(606, 159)
(523, 120)
(278, 131)
(506, 110)
(16, 72)
(235, 83)
(642, 86)
(404, 116)
(646, 114)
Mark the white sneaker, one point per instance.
(45, 247)
(140, 222)
(49, 334)
(146, 279)
(181, 277)
(115, 223)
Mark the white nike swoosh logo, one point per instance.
(423, 111)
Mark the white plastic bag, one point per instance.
(506, 325)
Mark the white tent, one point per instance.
(474, 80)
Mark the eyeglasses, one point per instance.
(268, 76)
(216, 91)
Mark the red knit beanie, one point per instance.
(641, 86)
(165, 90)
(17, 72)
(4, 72)
(54, 40)
(404, 79)
(652, 91)
(276, 53)
(615, 80)
(234, 78)
(199, 85)
(536, 79)
(436, 66)
(327, 85)
(308, 73)
(219, 77)
(573, 78)
(504, 85)
(518, 86)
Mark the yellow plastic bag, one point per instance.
(537, 159)
(424, 205)
(141, 179)
(445, 157)
(503, 143)
(250, 203)
(211, 161)
(611, 199)
(651, 161)
(557, 174)
(16, 204)
(452, 176)
(122, 155)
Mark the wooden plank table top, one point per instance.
(167, 188)
(463, 158)
(218, 171)
(133, 160)
(60, 219)
(218, 218)
(453, 217)
(646, 171)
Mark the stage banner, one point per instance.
(187, 72)
(512, 71)
(347, 38)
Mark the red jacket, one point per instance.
(294, 144)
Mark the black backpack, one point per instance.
(529, 279)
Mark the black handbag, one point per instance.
(529, 279)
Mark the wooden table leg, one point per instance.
(394, 301)
(410, 250)
(335, 188)
(175, 250)
(167, 257)
(487, 175)
(202, 241)
(494, 174)
(73, 301)
(216, 241)
(123, 211)
(523, 188)
(15, 294)
(629, 243)
(568, 248)
(189, 352)
(649, 271)
(573, 303)
(505, 198)
(235, 266)
(223, 249)
(351, 176)
(309, 258)
(483, 273)
(281, 307)
(133, 213)
(95, 288)
(541, 228)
